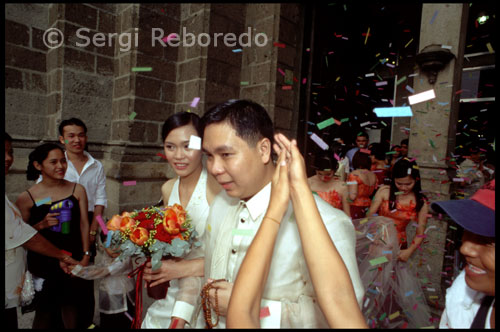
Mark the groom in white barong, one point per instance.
(237, 140)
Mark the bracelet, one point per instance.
(93, 233)
(276, 221)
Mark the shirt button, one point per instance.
(233, 251)
(242, 220)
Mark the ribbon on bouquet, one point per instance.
(136, 323)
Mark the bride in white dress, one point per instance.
(194, 189)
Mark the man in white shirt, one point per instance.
(87, 171)
(238, 138)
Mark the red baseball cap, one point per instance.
(477, 214)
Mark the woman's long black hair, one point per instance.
(39, 155)
(400, 170)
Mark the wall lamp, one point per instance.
(432, 59)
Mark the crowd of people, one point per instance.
(310, 261)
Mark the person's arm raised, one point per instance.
(244, 304)
(335, 295)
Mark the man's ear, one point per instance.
(61, 140)
(264, 147)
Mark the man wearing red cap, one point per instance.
(470, 301)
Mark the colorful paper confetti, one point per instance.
(102, 224)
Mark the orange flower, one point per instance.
(114, 223)
(139, 236)
(171, 226)
(181, 213)
(127, 223)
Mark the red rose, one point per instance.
(162, 234)
(147, 224)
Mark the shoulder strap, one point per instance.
(74, 189)
(30, 196)
(480, 319)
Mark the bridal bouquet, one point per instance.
(153, 233)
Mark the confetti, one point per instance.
(281, 71)
(42, 201)
(66, 253)
(381, 83)
(393, 111)
(238, 50)
(159, 154)
(319, 141)
(408, 43)
(394, 315)
(102, 224)
(169, 37)
(108, 239)
(244, 83)
(490, 48)
(129, 183)
(128, 316)
(136, 69)
(370, 75)
(243, 232)
(209, 228)
(195, 101)
(281, 45)
(410, 89)
(434, 16)
(132, 116)
(194, 142)
(446, 46)
(423, 96)
(401, 80)
(326, 123)
(409, 293)
(367, 34)
(379, 260)
(264, 312)
(351, 182)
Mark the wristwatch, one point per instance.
(87, 253)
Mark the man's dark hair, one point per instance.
(404, 141)
(72, 122)
(250, 120)
(377, 150)
(362, 133)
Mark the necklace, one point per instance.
(207, 307)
